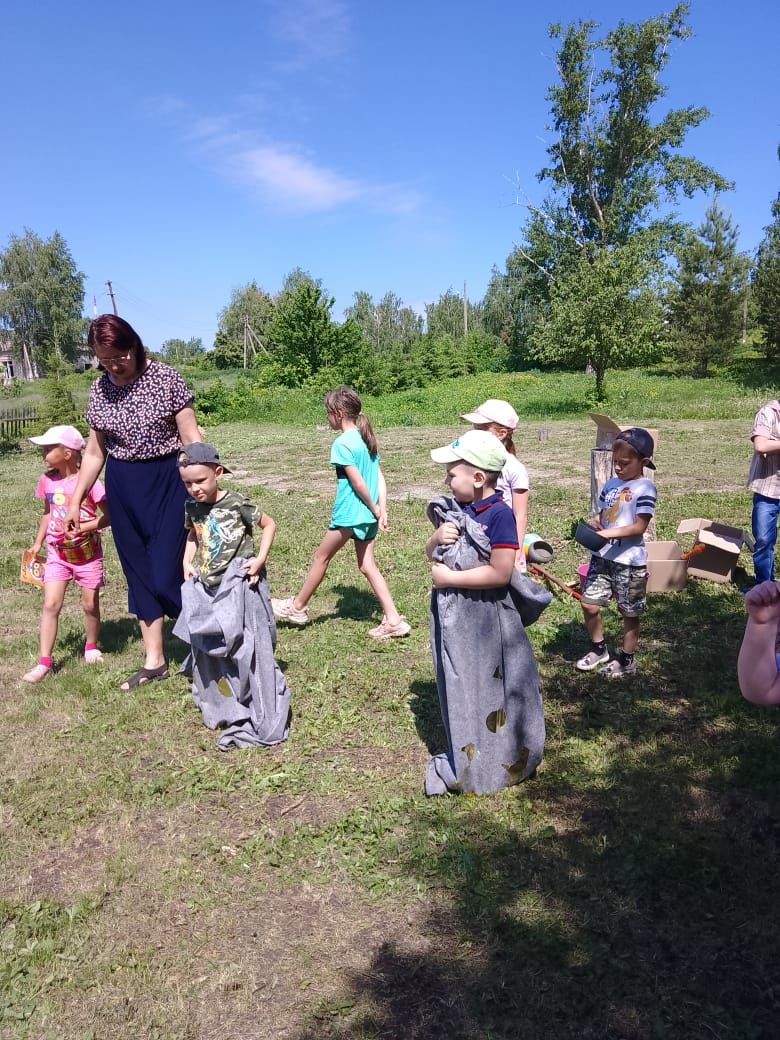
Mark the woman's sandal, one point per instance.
(145, 675)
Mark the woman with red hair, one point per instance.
(140, 412)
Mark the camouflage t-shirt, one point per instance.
(224, 531)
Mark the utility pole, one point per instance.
(465, 311)
(111, 294)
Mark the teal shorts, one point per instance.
(361, 532)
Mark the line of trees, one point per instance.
(605, 274)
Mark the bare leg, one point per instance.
(90, 604)
(630, 634)
(364, 551)
(333, 541)
(53, 598)
(592, 617)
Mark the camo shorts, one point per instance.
(622, 582)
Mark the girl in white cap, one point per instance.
(68, 557)
(500, 418)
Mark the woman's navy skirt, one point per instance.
(146, 503)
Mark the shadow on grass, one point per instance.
(629, 893)
(424, 704)
(356, 603)
(119, 635)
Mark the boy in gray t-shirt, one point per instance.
(619, 570)
(219, 522)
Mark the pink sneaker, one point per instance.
(40, 671)
(387, 631)
(285, 611)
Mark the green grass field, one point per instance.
(155, 888)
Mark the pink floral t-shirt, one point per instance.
(57, 491)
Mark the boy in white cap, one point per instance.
(486, 675)
(474, 462)
(76, 558)
(500, 418)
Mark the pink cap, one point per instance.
(500, 412)
(67, 436)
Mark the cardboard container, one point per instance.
(667, 571)
(607, 429)
(716, 548)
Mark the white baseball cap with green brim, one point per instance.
(477, 447)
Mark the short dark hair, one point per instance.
(113, 332)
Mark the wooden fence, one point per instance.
(14, 423)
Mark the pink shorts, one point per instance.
(86, 575)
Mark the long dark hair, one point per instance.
(344, 399)
(114, 333)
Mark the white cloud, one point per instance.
(295, 182)
(281, 173)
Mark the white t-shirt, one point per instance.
(514, 477)
(620, 502)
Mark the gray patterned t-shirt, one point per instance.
(224, 531)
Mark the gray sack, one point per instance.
(486, 675)
(236, 681)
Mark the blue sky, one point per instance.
(185, 149)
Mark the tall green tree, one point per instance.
(41, 300)
(766, 282)
(709, 294)
(611, 166)
(247, 316)
(604, 313)
(301, 331)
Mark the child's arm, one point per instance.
(639, 526)
(445, 534)
(97, 523)
(92, 463)
(382, 502)
(253, 567)
(360, 488)
(759, 679)
(520, 510)
(190, 548)
(43, 527)
(490, 575)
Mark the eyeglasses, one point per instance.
(115, 359)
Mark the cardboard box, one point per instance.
(667, 571)
(716, 548)
(607, 429)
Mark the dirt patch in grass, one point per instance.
(271, 966)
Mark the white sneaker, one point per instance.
(93, 656)
(387, 631)
(36, 674)
(285, 611)
(591, 660)
(615, 669)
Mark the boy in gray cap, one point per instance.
(619, 569)
(226, 609)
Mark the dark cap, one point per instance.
(641, 441)
(199, 454)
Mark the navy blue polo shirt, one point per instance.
(496, 519)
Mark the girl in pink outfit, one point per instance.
(68, 557)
